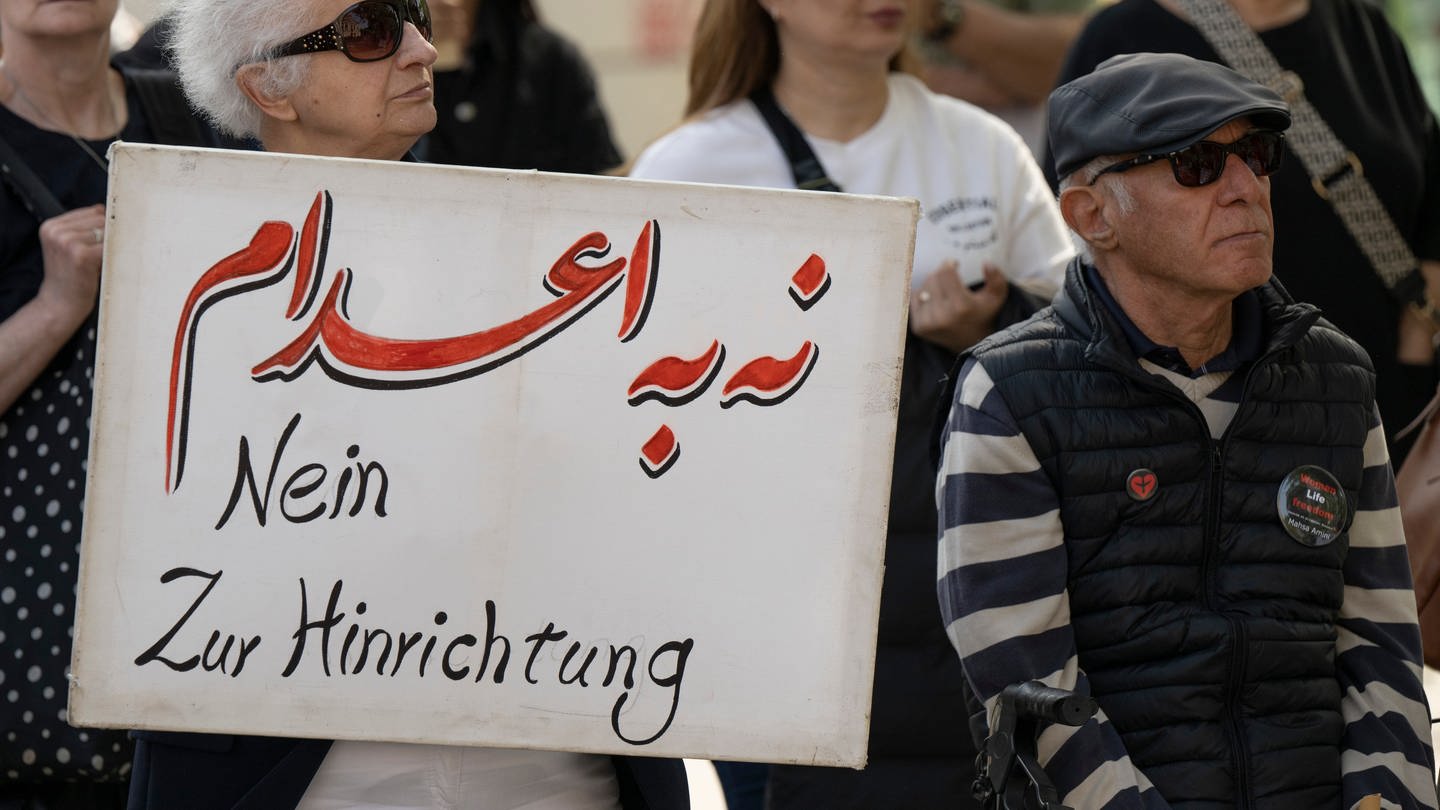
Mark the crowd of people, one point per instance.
(1113, 382)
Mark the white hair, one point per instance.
(1113, 182)
(212, 39)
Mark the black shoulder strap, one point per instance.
(809, 174)
(170, 118)
(29, 188)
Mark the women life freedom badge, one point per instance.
(1311, 505)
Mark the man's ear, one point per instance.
(1085, 211)
(250, 80)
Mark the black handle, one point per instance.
(1035, 699)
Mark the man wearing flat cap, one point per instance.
(1171, 491)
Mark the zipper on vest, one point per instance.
(1235, 655)
(1234, 682)
(1209, 571)
(1211, 551)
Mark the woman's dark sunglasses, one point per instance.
(368, 31)
(1202, 163)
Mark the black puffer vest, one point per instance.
(1207, 632)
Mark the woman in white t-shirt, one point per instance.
(989, 229)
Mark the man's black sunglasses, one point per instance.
(1202, 163)
(368, 31)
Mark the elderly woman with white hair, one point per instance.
(243, 65)
(321, 77)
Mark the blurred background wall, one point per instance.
(640, 51)
(1419, 22)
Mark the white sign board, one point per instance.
(435, 454)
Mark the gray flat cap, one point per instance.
(1152, 103)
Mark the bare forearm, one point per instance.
(1020, 53)
(70, 245)
(29, 340)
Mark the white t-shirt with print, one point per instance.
(981, 193)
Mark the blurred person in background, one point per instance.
(1003, 55)
(831, 69)
(511, 93)
(1357, 75)
(253, 67)
(62, 104)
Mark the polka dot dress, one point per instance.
(44, 438)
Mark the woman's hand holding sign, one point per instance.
(944, 310)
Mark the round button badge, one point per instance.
(1141, 485)
(1311, 505)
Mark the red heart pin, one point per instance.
(1141, 484)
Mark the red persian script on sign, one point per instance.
(579, 280)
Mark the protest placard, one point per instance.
(437, 454)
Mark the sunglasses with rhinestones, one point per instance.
(1202, 163)
(368, 31)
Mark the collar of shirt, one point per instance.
(1246, 337)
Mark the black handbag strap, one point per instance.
(809, 174)
(29, 188)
